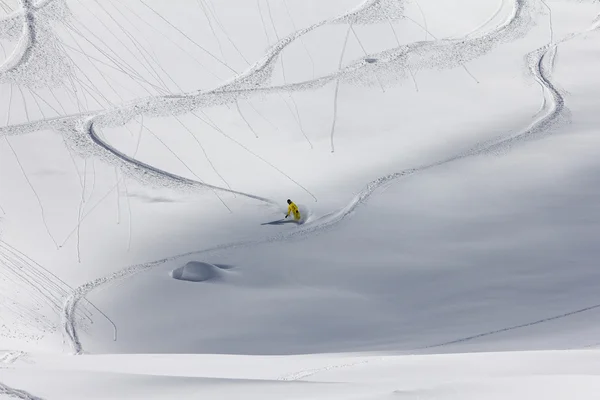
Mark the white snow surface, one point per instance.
(444, 155)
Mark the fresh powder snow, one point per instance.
(444, 156)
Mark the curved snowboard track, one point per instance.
(160, 173)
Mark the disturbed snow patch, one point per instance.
(196, 271)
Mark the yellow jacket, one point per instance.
(293, 209)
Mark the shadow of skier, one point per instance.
(281, 222)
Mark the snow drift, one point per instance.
(196, 271)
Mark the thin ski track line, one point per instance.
(424, 19)
(262, 116)
(203, 151)
(176, 178)
(200, 180)
(406, 17)
(58, 101)
(162, 34)
(490, 19)
(10, 97)
(414, 79)
(93, 182)
(334, 119)
(123, 65)
(81, 209)
(117, 67)
(147, 65)
(337, 87)
(188, 38)
(154, 56)
(139, 140)
(75, 167)
(216, 128)
(50, 288)
(113, 34)
(212, 28)
(24, 104)
(74, 230)
(129, 215)
(81, 84)
(89, 58)
(312, 61)
(262, 19)
(551, 23)
(213, 12)
(394, 32)
(117, 180)
(299, 121)
(303, 374)
(119, 63)
(37, 103)
(35, 193)
(237, 106)
(539, 126)
(469, 73)
(295, 115)
(80, 107)
(365, 53)
(58, 114)
(277, 37)
(511, 328)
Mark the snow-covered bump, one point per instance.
(196, 271)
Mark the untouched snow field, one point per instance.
(444, 154)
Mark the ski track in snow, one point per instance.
(16, 393)
(512, 328)
(10, 357)
(303, 374)
(41, 295)
(80, 129)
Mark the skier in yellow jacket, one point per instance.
(293, 209)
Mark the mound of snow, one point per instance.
(196, 271)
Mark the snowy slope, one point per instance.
(444, 154)
(548, 375)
